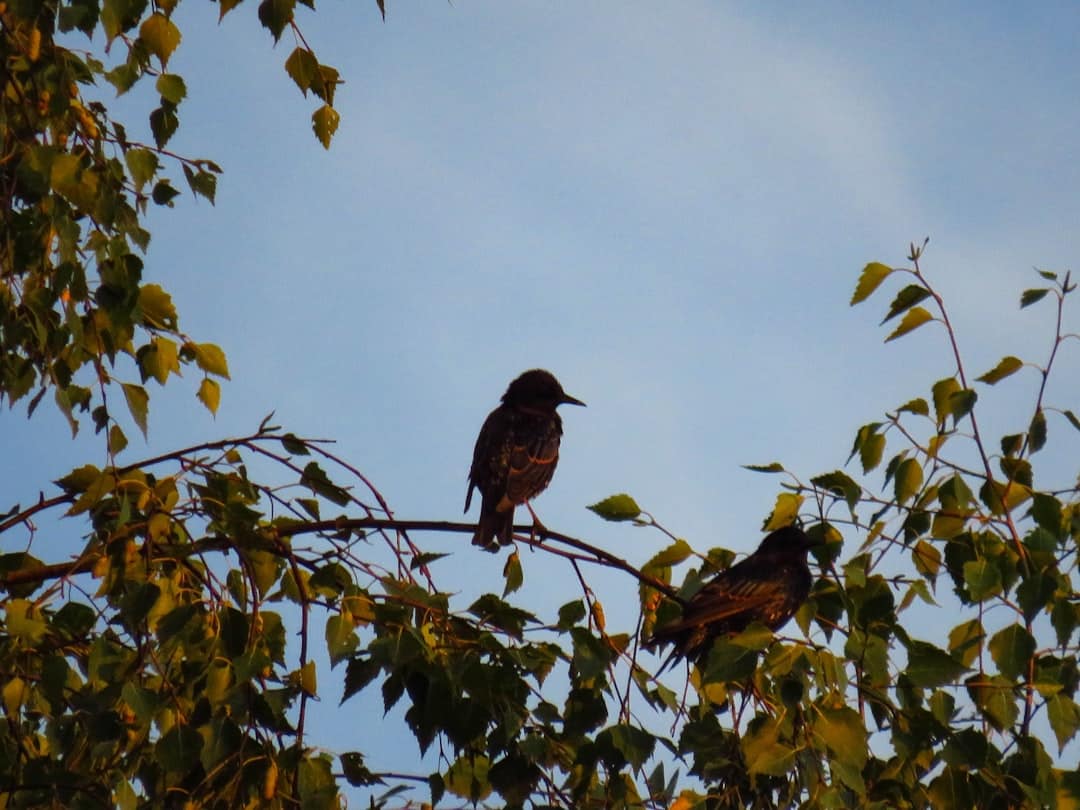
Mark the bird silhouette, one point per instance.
(767, 587)
(516, 454)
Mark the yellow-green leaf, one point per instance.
(160, 36)
(927, 559)
(23, 621)
(157, 306)
(616, 508)
(210, 358)
(1008, 365)
(324, 121)
(943, 391)
(117, 440)
(138, 402)
(909, 477)
(209, 394)
(871, 277)
(914, 318)
(785, 511)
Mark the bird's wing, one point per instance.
(488, 470)
(533, 456)
(753, 590)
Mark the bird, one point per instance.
(767, 587)
(516, 454)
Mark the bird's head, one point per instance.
(787, 540)
(538, 389)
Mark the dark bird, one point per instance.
(767, 587)
(516, 453)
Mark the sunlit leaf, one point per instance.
(871, 277)
(908, 480)
(138, 402)
(160, 36)
(911, 321)
(616, 508)
(324, 122)
(1007, 366)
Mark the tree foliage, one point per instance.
(172, 662)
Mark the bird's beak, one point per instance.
(569, 400)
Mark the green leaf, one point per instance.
(178, 749)
(965, 641)
(1009, 365)
(1047, 511)
(1011, 650)
(905, 300)
(209, 394)
(571, 614)
(616, 508)
(930, 666)
(839, 483)
(201, 183)
(468, 778)
(160, 36)
(118, 16)
(303, 67)
(774, 467)
(356, 773)
(844, 734)
(961, 402)
(942, 391)
(275, 15)
(729, 662)
(138, 402)
(1073, 420)
(951, 790)
(1037, 431)
(324, 122)
(764, 751)
(512, 573)
(117, 440)
(163, 124)
(871, 450)
(871, 277)
(982, 578)
(635, 744)
(163, 193)
(995, 699)
(210, 358)
(157, 307)
(911, 321)
(909, 478)
(916, 406)
(142, 164)
(927, 559)
(1029, 297)
(171, 88)
(1064, 717)
(1012, 444)
(23, 621)
(225, 7)
(784, 512)
(674, 554)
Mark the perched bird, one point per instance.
(516, 453)
(767, 587)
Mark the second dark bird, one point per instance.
(516, 453)
(767, 587)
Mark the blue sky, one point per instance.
(667, 206)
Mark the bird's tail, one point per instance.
(495, 529)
